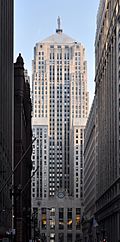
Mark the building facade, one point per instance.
(90, 170)
(59, 218)
(6, 112)
(107, 81)
(60, 110)
(22, 145)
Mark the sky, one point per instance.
(37, 19)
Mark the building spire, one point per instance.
(59, 30)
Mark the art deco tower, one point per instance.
(60, 109)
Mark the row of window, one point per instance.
(61, 219)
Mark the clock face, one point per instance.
(61, 194)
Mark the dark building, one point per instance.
(6, 111)
(107, 80)
(22, 145)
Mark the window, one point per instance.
(52, 218)
(52, 237)
(119, 46)
(78, 214)
(61, 237)
(69, 237)
(61, 218)
(69, 218)
(44, 220)
(78, 237)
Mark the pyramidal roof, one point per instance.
(59, 38)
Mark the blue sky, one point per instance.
(37, 19)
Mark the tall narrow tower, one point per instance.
(6, 110)
(60, 109)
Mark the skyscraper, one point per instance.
(6, 110)
(90, 168)
(60, 110)
(22, 146)
(107, 80)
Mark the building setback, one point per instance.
(107, 81)
(22, 144)
(6, 111)
(60, 110)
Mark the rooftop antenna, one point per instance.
(58, 30)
